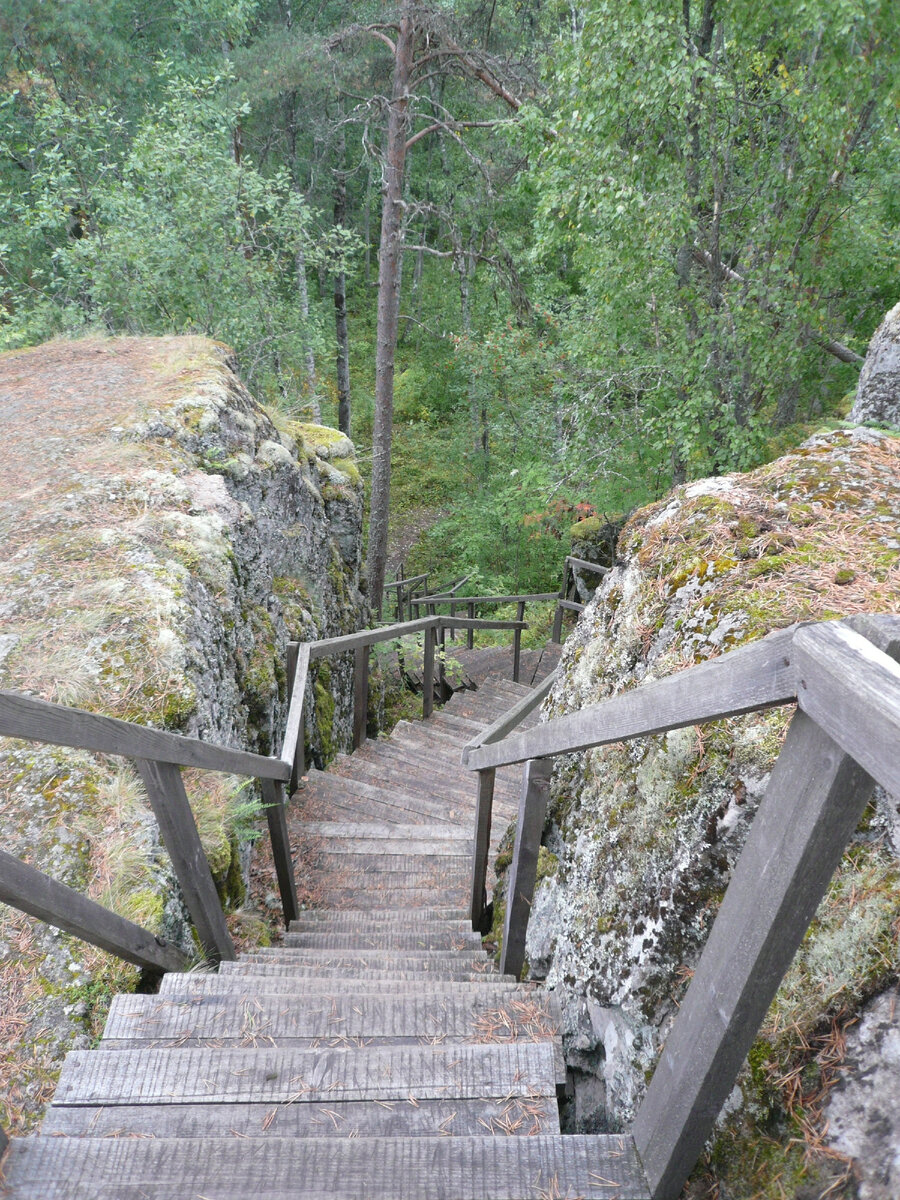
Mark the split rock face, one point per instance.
(878, 392)
(644, 835)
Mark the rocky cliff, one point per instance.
(162, 539)
(641, 837)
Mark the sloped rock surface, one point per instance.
(162, 539)
(646, 833)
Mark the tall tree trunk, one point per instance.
(303, 297)
(390, 261)
(342, 362)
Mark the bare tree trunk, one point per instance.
(340, 305)
(303, 296)
(390, 262)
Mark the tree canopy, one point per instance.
(610, 245)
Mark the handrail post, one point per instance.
(556, 636)
(178, 829)
(442, 661)
(523, 868)
(517, 641)
(428, 673)
(452, 627)
(484, 803)
(813, 803)
(470, 634)
(299, 761)
(360, 695)
(273, 799)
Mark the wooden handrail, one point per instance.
(42, 721)
(514, 599)
(586, 565)
(403, 582)
(842, 739)
(33, 892)
(759, 675)
(511, 718)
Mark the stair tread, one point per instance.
(336, 1119)
(604, 1167)
(326, 1019)
(266, 1075)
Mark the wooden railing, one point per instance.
(563, 603)
(844, 737)
(158, 756)
(452, 622)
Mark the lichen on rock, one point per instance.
(646, 832)
(166, 537)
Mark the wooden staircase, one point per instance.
(376, 1055)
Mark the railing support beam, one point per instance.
(815, 798)
(168, 799)
(360, 695)
(428, 673)
(523, 868)
(33, 892)
(484, 803)
(273, 799)
(517, 641)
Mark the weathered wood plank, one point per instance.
(281, 1076)
(815, 798)
(428, 674)
(760, 675)
(338, 1019)
(292, 747)
(484, 806)
(276, 818)
(584, 565)
(523, 868)
(28, 889)
(165, 791)
(41, 721)
(360, 695)
(537, 597)
(570, 605)
(603, 1167)
(333, 1119)
(372, 833)
(369, 637)
(189, 985)
(852, 690)
(387, 940)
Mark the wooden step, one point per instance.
(396, 915)
(372, 940)
(522, 1116)
(386, 974)
(195, 984)
(350, 960)
(335, 1020)
(265, 1075)
(234, 1168)
(375, 831)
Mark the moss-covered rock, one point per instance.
(166, 538)
(646, 833)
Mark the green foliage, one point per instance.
(159, 229)
(722, 201)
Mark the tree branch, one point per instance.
(829, 345)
